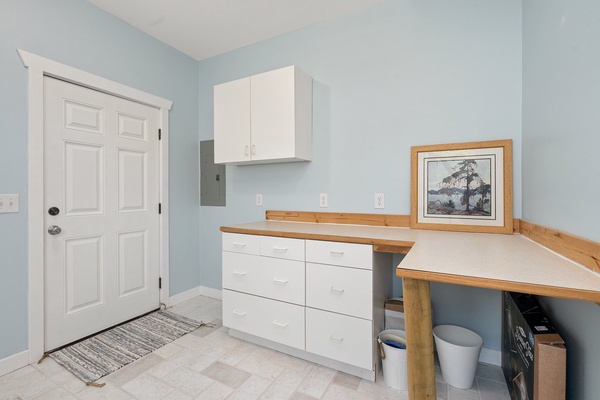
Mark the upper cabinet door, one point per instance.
(232, 121)
(272, 125)
(279, 118)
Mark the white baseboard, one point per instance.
(14, 362)
(197, 291)
(212, 293)
(490, 356)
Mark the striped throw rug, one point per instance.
(106, 352)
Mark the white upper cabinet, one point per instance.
(232, 121)
(265, 118)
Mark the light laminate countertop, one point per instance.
(476, 259)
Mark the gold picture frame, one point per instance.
(465, 187)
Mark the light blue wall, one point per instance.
(400, 74)
(561, 140)
(76, 33)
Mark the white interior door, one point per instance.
(101, 189)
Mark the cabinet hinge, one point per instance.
(160, 208)
(160, 283)
(159, 134)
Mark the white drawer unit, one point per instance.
(247, 244)
(263, 276)
(291, 249)
(340, 289)
(318, 300)
(340, 337)
(273, 320)
(337, 253)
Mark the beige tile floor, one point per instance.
(209, 364)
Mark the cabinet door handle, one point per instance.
(240, 313)
(282, 281)
(238, 244)
(337, 290)
(253, 149)
(275, 248)
(280, 324)
(336, 338)
(239, 273)
(247, 150)
(337, 253)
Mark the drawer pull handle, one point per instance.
(282, 249)
(239, 273)
(282, 281)
(337, 290)
(280, 324)
(240, 313)
(238, 244)
(336, 338)
(337, 253)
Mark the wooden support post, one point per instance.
(419, 339)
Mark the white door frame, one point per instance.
(38, 67)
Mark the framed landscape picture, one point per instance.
(462, 187)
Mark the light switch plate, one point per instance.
(9, 203)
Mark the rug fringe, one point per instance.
(94, 384)
(43, 357)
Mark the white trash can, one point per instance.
(458, 350)
(393, 358)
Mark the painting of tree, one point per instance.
(463, 187)
(467, 188)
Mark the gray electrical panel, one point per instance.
(212, 176)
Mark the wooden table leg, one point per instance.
(419, 339)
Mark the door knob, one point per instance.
(54, 229)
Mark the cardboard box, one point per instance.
(534, 356)
(394, 313)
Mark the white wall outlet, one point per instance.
(379, 200)
(323, 200)
(9, 203)
(259, 200)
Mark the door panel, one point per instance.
(83, 117)
(133, 265)
(132, 181)
(101, 170)
(84, 277)
(84, 178)
(132, 127)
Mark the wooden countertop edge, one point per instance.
(542, 290)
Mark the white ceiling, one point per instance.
(205, 28)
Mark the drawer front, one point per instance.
(340, 289)
(340, 337)
(269, 319)
(263, 276)
(238, 243)
(290, 249)
(344, 254)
